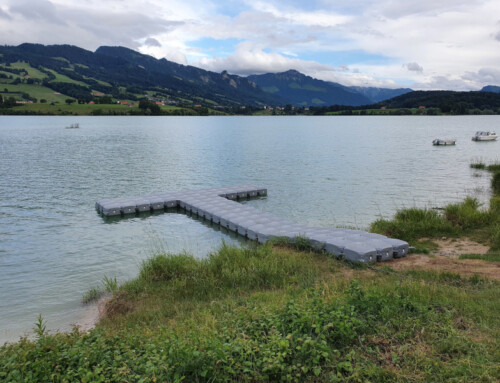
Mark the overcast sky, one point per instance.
(439, 44)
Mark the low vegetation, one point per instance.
(273, 313)
(466, 218)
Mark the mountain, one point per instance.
(301, 90)
(491, 88)
(380, 94)
(126, 74)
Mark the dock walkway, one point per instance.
(219, 206)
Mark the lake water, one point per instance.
(322, 171)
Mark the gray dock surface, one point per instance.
(219, 206)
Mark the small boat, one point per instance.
(73, 126)
(484, 136)
(444, 141)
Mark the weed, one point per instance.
(40, 328)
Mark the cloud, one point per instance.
(151, 42)
(88, 27)
(4, 15)
(249, 59)
(39, 11)
(484, 76)
(470, 80)
(454, 40)
(413, 67)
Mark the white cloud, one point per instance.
(455, 41)
(250, 59)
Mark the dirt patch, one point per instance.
(465, 267)
(455, 246)
(93, 314)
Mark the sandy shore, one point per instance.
(93, 314)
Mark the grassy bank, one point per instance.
(465, 219)
(275, 314)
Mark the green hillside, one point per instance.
(33, 72)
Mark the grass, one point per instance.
(484, 257)
(495, 170)
(37, 91)
(108, 285)
(275, 314)
(86, 109)
(32, 72)
(466, 218)
(59, 77)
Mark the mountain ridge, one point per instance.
(127, 74)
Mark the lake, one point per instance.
(321, 171)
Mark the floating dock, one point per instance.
(219, 206)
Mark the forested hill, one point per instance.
(125, 74)
(34, 72)
(446, 101)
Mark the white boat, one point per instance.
(484, 136)
(73, 126)
(444, 141)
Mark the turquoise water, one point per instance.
(322, 171)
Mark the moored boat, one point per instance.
(444, 141)
(484, 136)
(73, 126)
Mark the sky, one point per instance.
(439, 44)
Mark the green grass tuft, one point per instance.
(92, 295)
(411, 224)
(478, 165)
(467, 215)
(484, 257)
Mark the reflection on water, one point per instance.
(322, 171)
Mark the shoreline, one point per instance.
(93, 314)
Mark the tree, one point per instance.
(69, 101)
(103, 100)
(149, 108)
(1, 99)
(43, 101)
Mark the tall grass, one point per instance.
(464, 218)
(413, 223)
(228, 269)
(495, 182)
(467, 215)
(493, 168)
